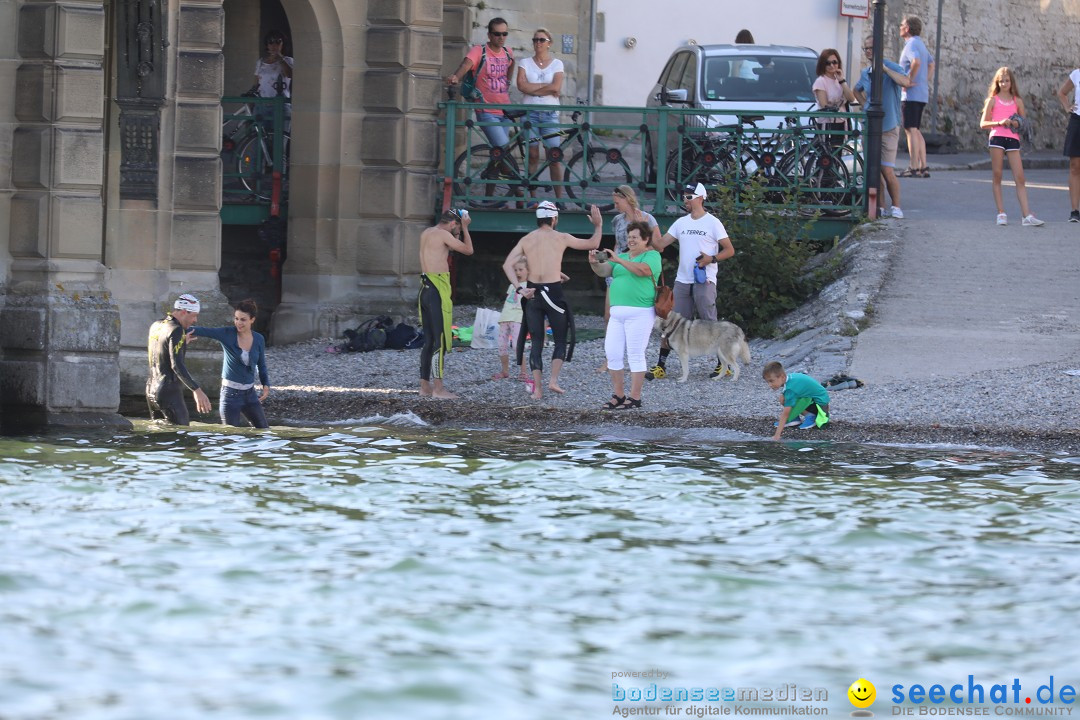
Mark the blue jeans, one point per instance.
(235, 405)
(498, 135)
(544, 122)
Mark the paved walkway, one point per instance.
(966, 295)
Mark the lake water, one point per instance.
(399, 571)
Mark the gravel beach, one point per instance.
(1000, 408)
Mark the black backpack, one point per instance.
(371, 335)
(404, 337)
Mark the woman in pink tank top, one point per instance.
(1002, 106)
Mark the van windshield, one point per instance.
(758, 78)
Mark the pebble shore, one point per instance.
(1008, 408)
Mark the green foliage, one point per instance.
(766, 278)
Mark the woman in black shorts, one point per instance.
(1069, 95)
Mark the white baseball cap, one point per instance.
(187, 302)
(547, 209)
(697, 191)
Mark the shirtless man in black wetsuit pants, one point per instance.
(166, 348)
(543, 249)
(436, 307)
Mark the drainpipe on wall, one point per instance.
(591, 84)
(937, 61)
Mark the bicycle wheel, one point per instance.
(482, 180)
(710, 165)
(256, 164)
(593, 177)
(829, 182)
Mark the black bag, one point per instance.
(371, 335)
(404, 337)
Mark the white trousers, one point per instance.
(628, 332)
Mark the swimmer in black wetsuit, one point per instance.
(543, 249)
(166, 348)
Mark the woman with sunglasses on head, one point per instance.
(272, 68)
(832, 92)
(540, 79)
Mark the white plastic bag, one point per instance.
(485, 332)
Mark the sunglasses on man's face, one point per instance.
(499, 34)
(688, 197)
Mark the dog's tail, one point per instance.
(744, 351)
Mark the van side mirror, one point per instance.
(678, 95)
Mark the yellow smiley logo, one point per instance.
(862, 693)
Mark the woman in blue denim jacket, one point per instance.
(245, 350)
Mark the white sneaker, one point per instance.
(1032, 221)
(1003, 219)
(897, 213)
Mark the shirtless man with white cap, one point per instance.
(543, 250)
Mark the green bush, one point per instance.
(765, 278)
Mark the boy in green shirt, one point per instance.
(802, 395)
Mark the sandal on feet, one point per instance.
(500, 376)
(910, 172)
(630, 403)
(615, 402)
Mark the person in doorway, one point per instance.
(542, 294)
(274, 71)
(1069, 97)
(493, 66)
(703, 242)
(891, 85)
(540, 79)
(436, 306)
(244, 355)
(918, 64)
(166, 351)
(1002, 114)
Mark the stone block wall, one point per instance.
(59, 328)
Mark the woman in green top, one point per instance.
(634, 275)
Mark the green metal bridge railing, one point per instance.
(799, 163)
(254, 148)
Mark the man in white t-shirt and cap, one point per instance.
(703, 242)
(543, 250)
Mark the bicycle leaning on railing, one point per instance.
(493, 177)
(247, 145)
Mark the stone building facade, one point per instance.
(110, 176)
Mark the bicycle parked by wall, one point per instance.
(248, 146)
(494, 177)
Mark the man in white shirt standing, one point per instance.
(703, 242)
